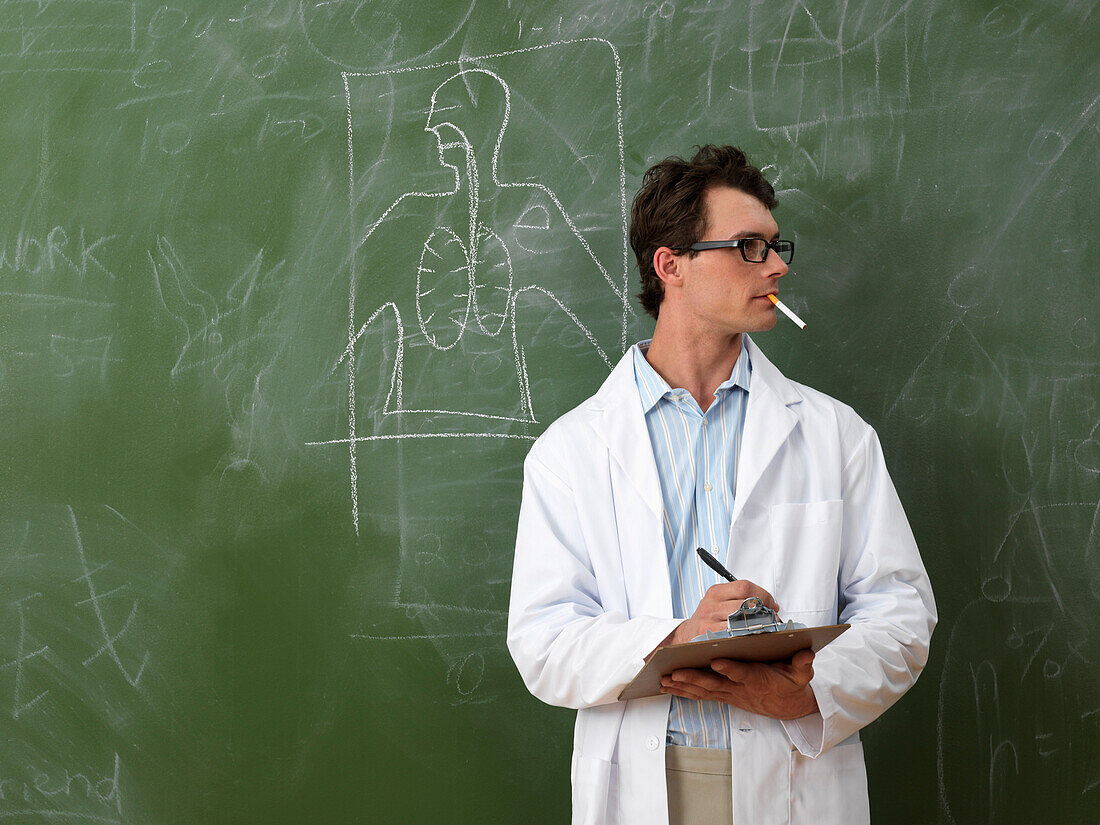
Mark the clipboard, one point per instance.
(756, 647)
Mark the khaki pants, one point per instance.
(699, 786)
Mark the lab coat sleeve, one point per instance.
(885, 594)
(570, 650)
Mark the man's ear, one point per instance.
(666, 263)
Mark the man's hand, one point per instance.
(715, 607)
(780, 690)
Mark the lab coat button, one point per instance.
(653, 743)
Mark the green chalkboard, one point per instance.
(287, 289)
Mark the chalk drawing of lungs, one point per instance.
(456, 287)
(464, 304)
(442, 277)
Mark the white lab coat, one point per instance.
(816, 522)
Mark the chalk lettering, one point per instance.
(39, 787)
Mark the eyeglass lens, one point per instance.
(755, 250)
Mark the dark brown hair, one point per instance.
(669, 208)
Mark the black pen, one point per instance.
(715, 565)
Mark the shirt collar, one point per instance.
(652, 387)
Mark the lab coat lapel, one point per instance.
(622, 427)
(635, 492)
(768, 423)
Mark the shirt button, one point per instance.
(653, 743)
(706, 486)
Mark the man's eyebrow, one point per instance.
(748, 233)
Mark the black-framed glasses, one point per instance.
(753, 250)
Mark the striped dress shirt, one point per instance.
(696, 454)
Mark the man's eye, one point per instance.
(754, 248)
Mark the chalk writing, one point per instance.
(64, 30)
(95, 600)
(34, 791)
(60, 286)
(56, 254)
(22, 701)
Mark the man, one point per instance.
(696, 439)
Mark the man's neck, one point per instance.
(698, 364)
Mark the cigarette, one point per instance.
(786, 311)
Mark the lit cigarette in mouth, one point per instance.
(786, 311)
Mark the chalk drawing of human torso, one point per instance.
(462, 354)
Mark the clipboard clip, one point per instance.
(750, 618)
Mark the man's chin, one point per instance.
(764, 324)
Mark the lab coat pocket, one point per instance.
(806, 556)
(831, 788)
(593, 791)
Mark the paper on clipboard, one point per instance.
(756, 647)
